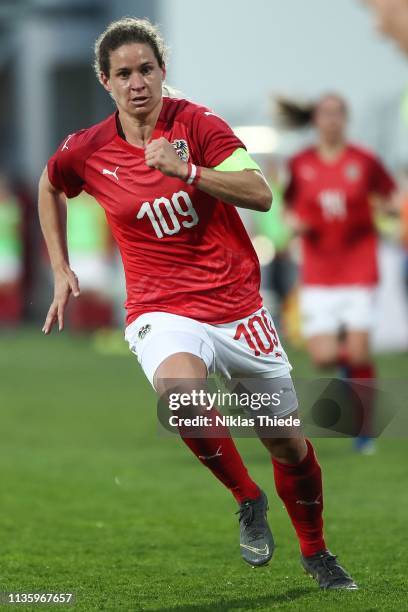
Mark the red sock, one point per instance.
(300, 488)
(220, 455)
(366, 370)
(366, 394)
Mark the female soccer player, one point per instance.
(331, 193)
(169, 174)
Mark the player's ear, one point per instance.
(164, 72)
(104, 80)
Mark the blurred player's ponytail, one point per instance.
(293, 114)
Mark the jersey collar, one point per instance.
(157, 132)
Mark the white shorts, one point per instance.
(247, 348)
(325, 310)
(10, 269)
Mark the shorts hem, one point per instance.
(241, 315)
(281, 372)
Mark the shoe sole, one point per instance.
(260, 563)
(353, 587)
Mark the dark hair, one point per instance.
(124, 31)
(292, 114)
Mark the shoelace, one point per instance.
(331, 565)
(247, 515)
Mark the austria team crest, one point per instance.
(353, 172)
(182, 151)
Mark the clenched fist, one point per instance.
(161, 154)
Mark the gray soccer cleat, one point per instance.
(323, 567)
(256, 539)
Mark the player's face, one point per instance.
(331, 120)
(392, 19)
(135, 79)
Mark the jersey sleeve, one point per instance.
(65, 168)
(381, 181)
(213, 138)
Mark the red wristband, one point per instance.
(193, 175)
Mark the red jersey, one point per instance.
(333, 198)
(183, 251)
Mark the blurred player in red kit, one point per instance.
(169, 174)
(11, 255)
(331, 194)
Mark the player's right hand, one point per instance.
(298, 226)
(65, 283)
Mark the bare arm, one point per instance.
(53, 215)
(387, 205)
(245, 188)
(295, 223)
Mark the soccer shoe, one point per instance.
(323, 567)
(364, 445)
(256, 539)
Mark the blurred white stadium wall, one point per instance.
(231, 55)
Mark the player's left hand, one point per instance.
(161, 154)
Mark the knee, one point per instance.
(323, 353)
(181, 372)
(358, 348)
(358, 358)
(323, 361)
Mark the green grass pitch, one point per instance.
(93, 501)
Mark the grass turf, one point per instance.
(93, 501)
